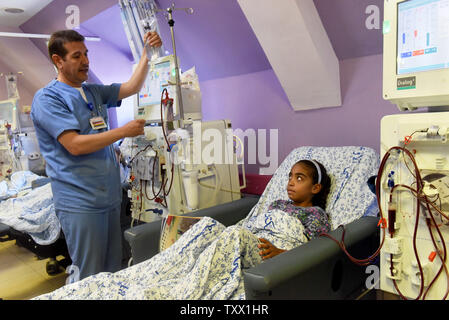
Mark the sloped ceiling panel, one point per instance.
(53, 17)
(20, 54)
(216, 39)
(298, 49)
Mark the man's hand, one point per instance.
(134, 84)
(134, 128)
(79, 144)
(153, 39)
(268, 249)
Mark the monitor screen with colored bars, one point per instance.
(422, 36)
(150, 93)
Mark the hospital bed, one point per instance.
(51, 251)
(318, 269)
(57, 251)
(45, 245)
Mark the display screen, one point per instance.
(423, 35)
(150, 94)
(7, 109)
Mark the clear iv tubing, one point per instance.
(422, 197)
(418, 190)
(367, 261)
(443, 260)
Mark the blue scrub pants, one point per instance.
(94, 241)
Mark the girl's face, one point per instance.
(300, 187)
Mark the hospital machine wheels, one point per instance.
(53, 267)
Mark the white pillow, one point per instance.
(349, 169)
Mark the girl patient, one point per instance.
(308, 187)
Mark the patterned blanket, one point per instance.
(206, 262)
(34, 214)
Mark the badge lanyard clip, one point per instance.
(96, 122)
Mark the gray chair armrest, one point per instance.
(144, 239)
(309, 271)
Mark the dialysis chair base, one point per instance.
(315, 270)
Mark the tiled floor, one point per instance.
(22, 275)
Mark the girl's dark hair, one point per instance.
(59, 38)
(320, 198)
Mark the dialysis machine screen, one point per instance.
(6, 111)
(150, 94)
(423, 36)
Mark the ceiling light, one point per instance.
(38, 36)
(13, 10)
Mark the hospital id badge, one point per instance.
(97, 123)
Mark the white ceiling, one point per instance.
(30, 7)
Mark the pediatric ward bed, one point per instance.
(217, 259)
(27, 216)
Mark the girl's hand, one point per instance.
(268, 250)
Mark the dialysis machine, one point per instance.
(8, 126)
(413, 180)
(181, 164)
(19, 149)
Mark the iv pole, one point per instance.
(171, 23)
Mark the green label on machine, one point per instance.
(406, 83)
(386, 27)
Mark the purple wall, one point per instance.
(217, 39)
(256, 101)
(344, 21)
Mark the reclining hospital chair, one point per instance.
(318, 269)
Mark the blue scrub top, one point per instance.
(87, 183)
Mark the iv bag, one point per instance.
(11, 87)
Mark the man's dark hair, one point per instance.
(59, 38)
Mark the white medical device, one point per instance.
(9, 125)
(415, 206)
(416, 53)
(198, 172)
(19, 148)
(414, 175)
(9, 114)
(173, 168)
(162, 75)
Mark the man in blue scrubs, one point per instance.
(71, 123)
